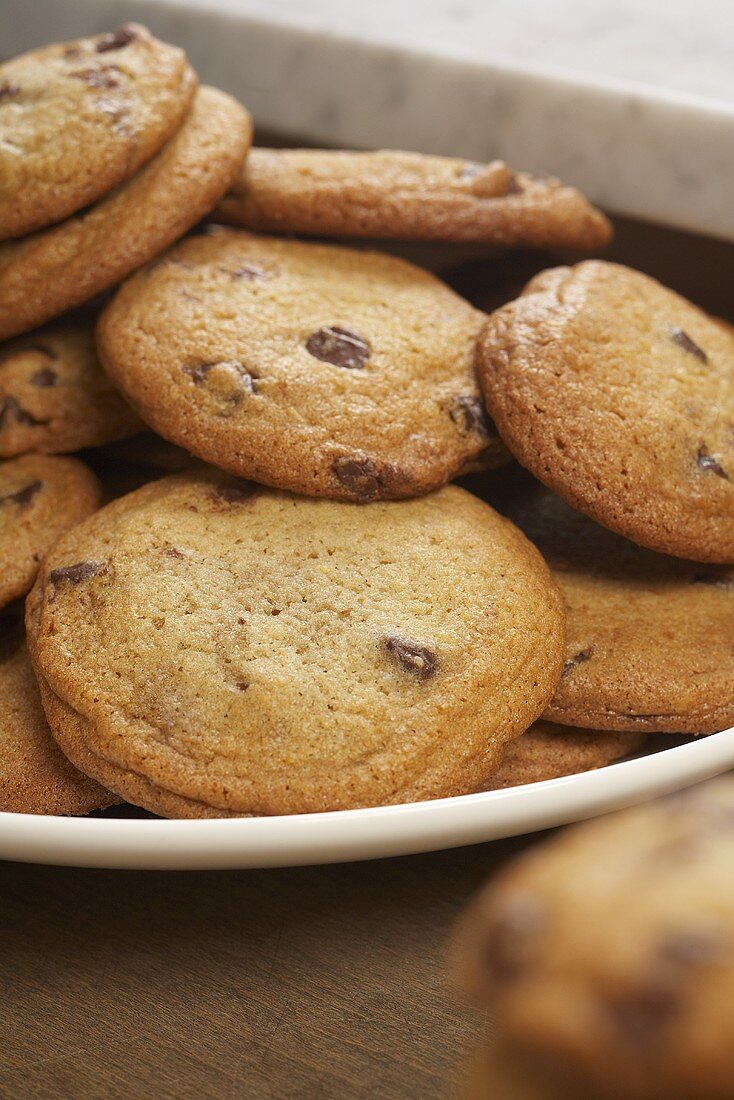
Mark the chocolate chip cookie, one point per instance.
(648, 637)
(408, 196)
(49, 272)
(54, 395)
(548, 751)
(619, 395)
(607, 953)
(35, 777)
(40, 499)
(210, 648)
(317, 369)
(80, 117)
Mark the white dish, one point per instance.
(360, 834)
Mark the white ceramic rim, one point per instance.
(348, 835)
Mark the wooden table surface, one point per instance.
(319, 982)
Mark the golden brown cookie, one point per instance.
(54, 395)
(49, 272)
(80, 117)
(408, 196)
(35, 777)
(607, 952)
(321, 370)
(619, 395)
(40, 498)
(210, 648)
(548, 751)
(648, 637)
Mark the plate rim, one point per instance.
(369, 833)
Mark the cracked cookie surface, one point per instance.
(78, 118)
(619, 395)
(210, 648)
(317, 369)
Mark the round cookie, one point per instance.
(648, 638)
(619, 395)
(80, 117)
(56, 269)
(608, 951)
(408, 196)
(35, 778)
(312, 368)
(54, 395)
(40, 498)
(275, 654)
(548, 751)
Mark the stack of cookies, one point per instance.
(303, 615)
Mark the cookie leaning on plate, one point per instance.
(40, 498)
(619, 395)
(317, 369)
(54, 395)
(35, 777)
(49, 272)
(606, 954)
(648, 637)
(80, 117)
(408, 196)
(277, 654)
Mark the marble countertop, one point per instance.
(633, 102)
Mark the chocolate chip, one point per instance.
(249, 272)
(234, 492)
(641, 1015)
(416, 659)
(339, 346)
(74, 574)
(173, 552)
(8, 90)
(98, 78)
(245, 379)
(44, 378)
(469, 414)
(708, 462)
(10, 408)
(116, 40)
(23, 496)
(359, 476)
(512, 943)
(683, 340)
(716, 580)
(578, 659)
(242, 685)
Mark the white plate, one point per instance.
(360, 834)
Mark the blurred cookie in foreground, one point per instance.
(548, 751)
(41, 497)
(300, 654)
(35, 777)
(606, 955)
(54, 395)
(321, 370)
(408, 196)
(619, 395)
(56, 269)
(648, 637)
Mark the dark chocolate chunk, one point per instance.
(414, 658)
(339, 346)
(74, 574)
(249, 272)
(123, 36)
(683, 340)
(44, 378)
(10, 408)
(578, 659)
(23, 496)
(234, 492)
(512, 940)
(245, 379)
(708, 462)
(469, 414)
(8, 90)
(98, 78)
(359, 476)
